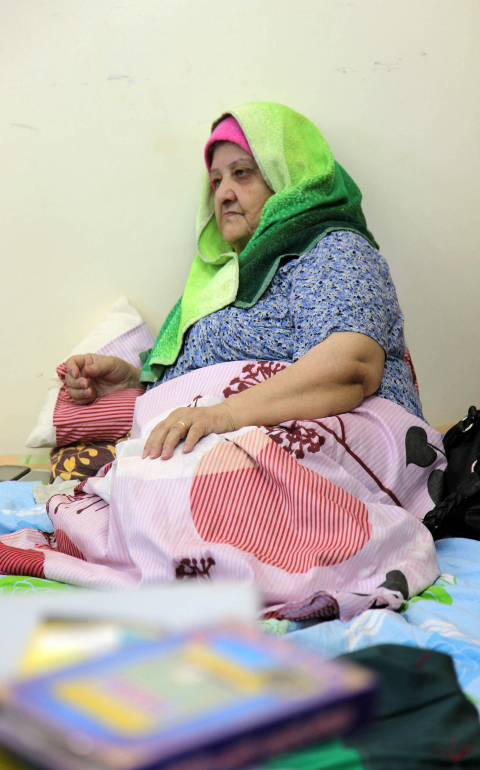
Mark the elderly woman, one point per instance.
(286, 270)
(306, 467)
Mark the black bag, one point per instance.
(458, 514)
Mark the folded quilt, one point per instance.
(324, 516)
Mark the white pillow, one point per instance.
(121, 332)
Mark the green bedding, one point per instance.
(17, 585)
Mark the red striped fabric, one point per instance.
(108, 418)
(66, 545)
(254, 496)
(19, 561)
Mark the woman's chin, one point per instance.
(234, 239)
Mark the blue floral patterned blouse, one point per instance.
(343, 284)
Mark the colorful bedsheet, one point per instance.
(324, 516)
(444, 617)
(14, 585)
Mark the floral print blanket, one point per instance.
(324, 516)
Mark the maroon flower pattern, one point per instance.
(253, 374)
(297, 439)
(190, 568)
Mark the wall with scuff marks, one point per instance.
(105, 106)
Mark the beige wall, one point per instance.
(105, 106)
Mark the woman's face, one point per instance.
(240, 193)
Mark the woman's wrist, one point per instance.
(134, 378)
(231, 423)
(244, 409)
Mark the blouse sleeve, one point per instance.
(344, 284)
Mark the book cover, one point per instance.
(224, 698)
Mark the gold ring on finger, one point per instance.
(185, 427)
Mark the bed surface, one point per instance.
(445, 617)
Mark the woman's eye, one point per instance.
(215, 183)
(240, 172)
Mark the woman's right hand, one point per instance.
(91, 375)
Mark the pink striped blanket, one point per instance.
(324, 516)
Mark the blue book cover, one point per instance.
(219, 698)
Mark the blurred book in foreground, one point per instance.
(215, 699)
(58, 643)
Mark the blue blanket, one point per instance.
(18, 509)
(445, 617)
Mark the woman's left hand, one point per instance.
(189, 423)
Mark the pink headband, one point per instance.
(227, 131)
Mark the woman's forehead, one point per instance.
(225, 153)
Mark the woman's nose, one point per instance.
(224, 191)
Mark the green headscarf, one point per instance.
(313, 196)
